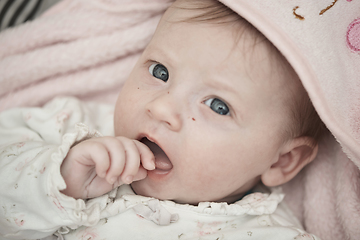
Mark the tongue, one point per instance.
(162, 161)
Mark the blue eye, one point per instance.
(159, 71)
(218, 106)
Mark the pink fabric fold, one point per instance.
(80, 48)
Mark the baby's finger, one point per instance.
(116, 151)
(147, 157)
(132, 163)
(99, 155)
(141, 174)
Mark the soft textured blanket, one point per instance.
(86, 48)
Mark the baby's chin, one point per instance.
(139, 188)
(142, 190)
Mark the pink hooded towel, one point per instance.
(87, 48)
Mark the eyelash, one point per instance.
(213, 103)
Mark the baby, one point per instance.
(210, 110)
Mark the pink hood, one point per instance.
(321, 40)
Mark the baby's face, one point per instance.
(215, 115)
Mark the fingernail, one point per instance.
(153, 164)
(129, 179)
(112, 180)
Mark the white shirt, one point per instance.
(33, 144)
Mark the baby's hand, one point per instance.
(96, 166)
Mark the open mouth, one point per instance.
(162, 161)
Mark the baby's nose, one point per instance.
(165, 109)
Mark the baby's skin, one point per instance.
(204, 116)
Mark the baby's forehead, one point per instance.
(246, 38)
(248, 49)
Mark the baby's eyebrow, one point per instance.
(220, 82)
(158, 53)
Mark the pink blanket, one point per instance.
(86, 48)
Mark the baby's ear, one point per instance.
(293, 157)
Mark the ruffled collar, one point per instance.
(261, 201)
